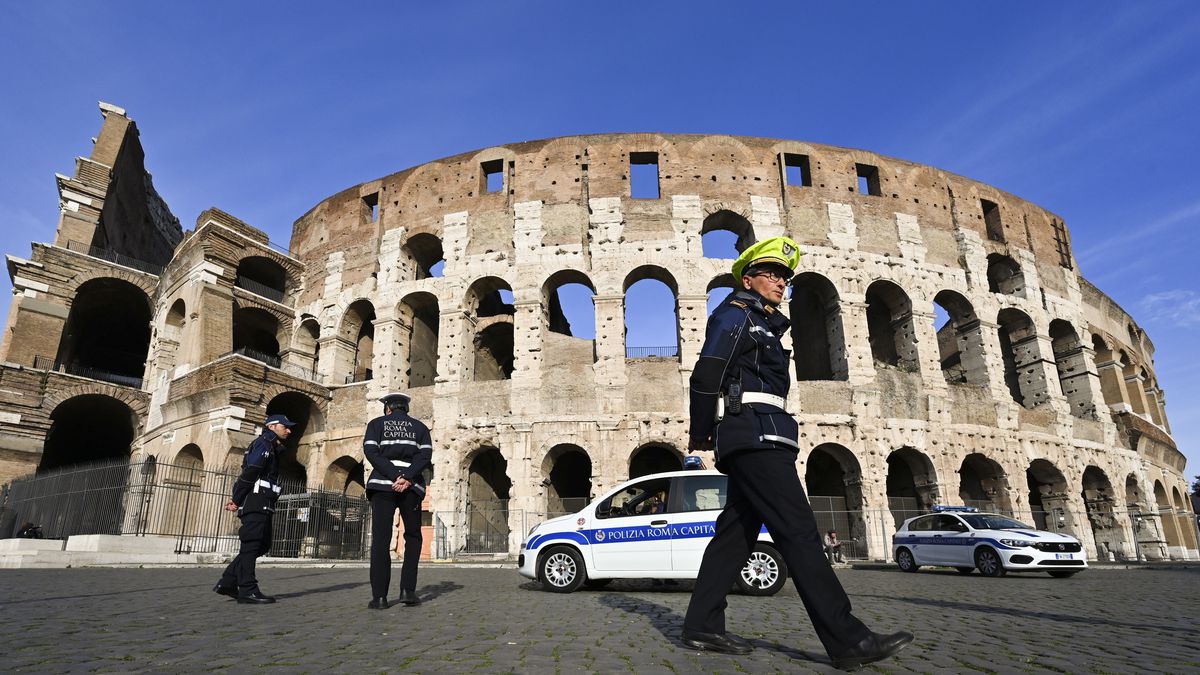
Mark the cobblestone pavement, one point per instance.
(492, 620)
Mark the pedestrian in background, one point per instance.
(400, 451)
(254, 495)
(739, 393)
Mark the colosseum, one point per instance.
(946, 349)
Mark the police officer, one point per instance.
(254, 496)
(738, 409)
(400, 451)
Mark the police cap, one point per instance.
(395, 397)
(279, 419)
(780, 251)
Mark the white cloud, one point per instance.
(1179, 306)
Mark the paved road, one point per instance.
(493, 621)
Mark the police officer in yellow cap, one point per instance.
(400, 451)
(739, 393)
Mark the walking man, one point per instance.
(400, 451)
(254, 496)
(738, 409)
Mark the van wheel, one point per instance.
(561, 570)
(988, 562)
(905, 561)
(765, 572)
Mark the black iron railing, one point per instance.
(259, 288)
(652, 352)
(90, 372)
(114, 257)
(250, 353)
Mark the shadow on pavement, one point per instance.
(325, 589)
(1027, 613)
(428, 593)
(670, 625)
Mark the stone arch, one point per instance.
(256, 334)
(107, 332)
(818, 337)
(718, 289)
(88, 428)
(1166, 515)
(1049, 498)
(298, 447)
(552, 312)
(426, 255)
(567, 477)
(890, 328)
(306, 344)
(982, 483)
(484, 298)
(912, 484)
(833, 480)
(564, 343)
(1004, 275)
(635, 314)
(1133, 375)
(146, 283)
(960, 341)
(262, 276)
(1073, 376)
(1021, 356)
(654, 457)
(725, 220)
(1099, 500)
(176, 317)
(420, 321)
(488, 489)
(356, 333)
(346, 475)
(189, 456)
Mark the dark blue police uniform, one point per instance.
(255, 493)
(396, 445)
(757, 447)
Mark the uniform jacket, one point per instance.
(397, 445)
(742, 342)
(257, 488)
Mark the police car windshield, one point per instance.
(991, 521)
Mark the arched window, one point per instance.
(176, 317)
(419, 327)
(569, 310)
(1073, 377)
(1004, 275)
(651, 314)
(262, 276)
(890, 326)
(960, 340)
(719, 289)
(818, 339)
(357, 333)
(85, 429)
(255, 335)
(567, 472)
(308, 345)
(1021, 356)
(107, 333)
(425, 253)
(725, 234)
(488, 303)
(654, 458)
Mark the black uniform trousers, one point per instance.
(383, 509)
(764, 488)
(255, 534)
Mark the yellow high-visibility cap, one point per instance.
(776, 250)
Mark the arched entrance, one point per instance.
(85, 429)
(293, 475)
(833, 480)
(488, 489)
(107, 333)
(1049, 503)
(912, 486)
(983, 484)
(654, 458)
(568, 479)
(345, 475)
(818, 338)
(1099, 499)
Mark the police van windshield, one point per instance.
(991, 521)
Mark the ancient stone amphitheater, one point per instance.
(946, 349)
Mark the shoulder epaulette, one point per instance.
(738, 303)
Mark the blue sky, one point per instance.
(263, 109)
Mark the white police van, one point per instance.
(652, 527)
(962, 538)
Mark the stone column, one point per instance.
(1112, 385)
(929, 357)
(528, 337)
(610, 352)
(693, 316)
(859, 362)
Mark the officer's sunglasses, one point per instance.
(771, 275)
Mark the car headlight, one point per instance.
(1016, 543)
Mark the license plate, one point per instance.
(1063, 556)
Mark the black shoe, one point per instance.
(409, 598)
(378, 603)
(874, 647)
(230, 591)
(255, 597)
(725, 643)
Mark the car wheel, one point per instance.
(561, 570)
(988, 562)
(596, 583)
(764, 573)
(905, 561)
(965, 570)
(1063, 574)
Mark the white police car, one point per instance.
(653, 527)
(962, 538)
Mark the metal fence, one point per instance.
(47, 363)
(114, 257)
(184, 502)
(670, 352)
(259, 288)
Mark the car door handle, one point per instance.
(657, 523)
(937, 536)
